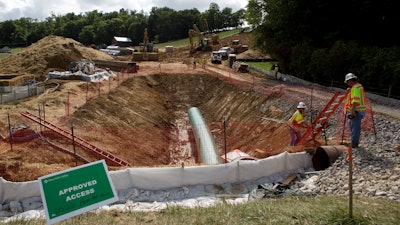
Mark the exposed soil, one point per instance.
(142, 117)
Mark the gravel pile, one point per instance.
(376, 163)
(376, 171)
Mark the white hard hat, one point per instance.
(301, 105)
(349, 76)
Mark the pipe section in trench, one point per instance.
(204, 139)
(325, 156)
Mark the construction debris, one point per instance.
(83, 70)
(240, 67)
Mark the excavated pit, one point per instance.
(148, 122)
(145, 122)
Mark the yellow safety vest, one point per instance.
(356, 97)
(296, 120)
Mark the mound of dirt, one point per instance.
(48, 54)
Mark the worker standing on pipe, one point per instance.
(295, 123)
(354, 107)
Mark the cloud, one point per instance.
(41, 9)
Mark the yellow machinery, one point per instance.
(209, 34)
(203, 43)
(238, 47)
(146, 51)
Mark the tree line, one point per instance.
(163, 24)
(323, 40)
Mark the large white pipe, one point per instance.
(204, 139)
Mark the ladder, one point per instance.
(110, 158)
(320, 121)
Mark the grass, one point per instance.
(13, 51)
(304, 210)
(262, 65)
(185, 42)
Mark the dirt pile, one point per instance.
(48, 54)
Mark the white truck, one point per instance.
(216, 57)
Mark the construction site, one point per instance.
(167, 130)
(141, 119)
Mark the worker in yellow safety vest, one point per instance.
(204, 62)
(295, 123)
(194, 62)
(354, 107)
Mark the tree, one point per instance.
(7, 28)
(87, 35)
(213, 17)
(326, 39)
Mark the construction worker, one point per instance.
(194, 62)
(295, 123)
(354, 107)
(204, 62)
(276, 70)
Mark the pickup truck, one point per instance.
(216, 57)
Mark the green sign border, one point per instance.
(77, 190)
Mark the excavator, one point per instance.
(146, 51)
(205, 42)
(209, 34)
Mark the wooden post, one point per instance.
(99, 88)
(350, 159)
(226, 160)
(67, 105)
(9, 128)
(73, 142)
(40, 117)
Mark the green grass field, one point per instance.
(13, 51)
(295, 210)
(185, 42)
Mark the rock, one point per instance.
(376, 172)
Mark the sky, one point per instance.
(40, 9)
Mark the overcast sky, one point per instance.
(40, 9)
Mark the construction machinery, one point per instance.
(203, 43)
(238, 47)
(205, 40)
(209, 34)
(216, 57)
(146, 50)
